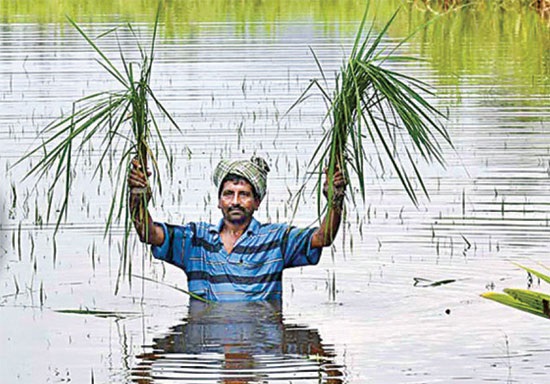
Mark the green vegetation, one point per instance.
(464, 47)
(193, 295)
(536, 303)
(386, 107)
(177, 15)
(96, 313)
(123, 120)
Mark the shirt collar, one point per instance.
(252, 229)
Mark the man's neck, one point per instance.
(231, 233)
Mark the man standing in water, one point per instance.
(238, 258)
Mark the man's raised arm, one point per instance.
(325, 235)
(139, 196)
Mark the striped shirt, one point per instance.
(252, 271)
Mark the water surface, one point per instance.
(228, 71)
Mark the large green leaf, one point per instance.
(510, 301)
(536, 303)
(536, 300)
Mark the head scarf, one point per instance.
(254, 170)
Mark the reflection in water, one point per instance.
(241, 343)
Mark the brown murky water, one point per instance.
(358, 316)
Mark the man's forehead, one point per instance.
(236, 183)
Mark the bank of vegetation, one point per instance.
(178, 14)
(542, 7)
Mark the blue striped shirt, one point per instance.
(252, 271)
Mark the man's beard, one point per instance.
(243, 217)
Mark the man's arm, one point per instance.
(326, 233)
(139, 196)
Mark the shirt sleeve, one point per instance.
(296, 247)
(176, 241)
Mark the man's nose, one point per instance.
(235, 200)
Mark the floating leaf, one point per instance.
(508, 300)
(536, 303)
(101, 314)
(421, 282)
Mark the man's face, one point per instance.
(237, 201)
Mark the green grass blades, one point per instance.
(508, 300)
(533, 302)
(371, 102)
(422, 282)
(536, 300)
(538, 274)
(100, 314)
(193, 295)
(121, 120)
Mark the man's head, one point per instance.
(233, 178)
(237, 199)
(241, 187)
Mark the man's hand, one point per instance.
(335, 189)
(137, 182)
(140, 192)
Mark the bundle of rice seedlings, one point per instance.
(371, 102)
(124, 121)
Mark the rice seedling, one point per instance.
(42, 294)
(331, 286)
(54, 251)
(423, 282)
(124, 120)
(536, 303)
(16, 285)
(372, 102)
(11, 213)
(143, 278)
(118, 315)
(19, 247)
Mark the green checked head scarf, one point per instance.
(254, 171)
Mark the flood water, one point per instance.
(228, 71)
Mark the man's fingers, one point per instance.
(136, 179)
(136, 165)
(341, 184)
(136, 184)
(135, 173)
(339, 179)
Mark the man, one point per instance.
(238, 258)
